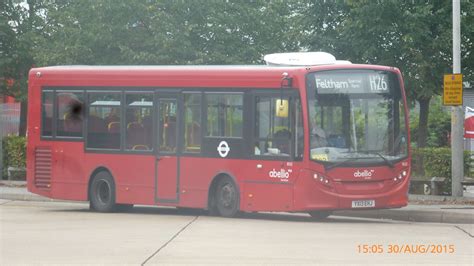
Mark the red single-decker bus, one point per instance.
(309, 139)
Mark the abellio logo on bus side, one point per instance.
(365, 173)
(282, 173)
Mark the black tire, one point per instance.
(319, 215)
(102, 193)
(227, 199)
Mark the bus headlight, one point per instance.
(322, 179)
(315, 176)
(402, 175)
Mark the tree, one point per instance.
(121, 32)
(20, 21)
(164, 32)
(415, 37)
(467, 40)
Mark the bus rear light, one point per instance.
(404, 173)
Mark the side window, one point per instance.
(167, 125)
(104, 120)
(70, 113)
(138, 121)
(272, 126)
(47, 113)
(224, 115)
(192, 122)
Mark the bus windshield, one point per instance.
(356, 116)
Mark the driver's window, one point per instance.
(272, 128)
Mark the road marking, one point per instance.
(169, 241)
(469, 234)
(7, 201)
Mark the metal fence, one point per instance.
(9, 125)
(9, 119)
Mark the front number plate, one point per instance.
(363, 203)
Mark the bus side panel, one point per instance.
(69, 181)
(196, 175)
(257, 190)
(69, 191)
(134, 175)
(267, 185)
(136, 184)
(267, 197)
(33, 139)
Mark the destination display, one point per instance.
(347, 82)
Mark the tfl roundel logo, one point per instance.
(223, 149)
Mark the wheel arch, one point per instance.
(213, 185)
(93, 174)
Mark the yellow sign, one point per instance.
(282, 108)
(452, 92)
(320, 157)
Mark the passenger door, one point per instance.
(167, 157)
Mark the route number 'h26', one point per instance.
(378, 83)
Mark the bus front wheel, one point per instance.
(102, 193)
(227, 198)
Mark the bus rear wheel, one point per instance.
(319, 215)
(227, 198)
(102, 193)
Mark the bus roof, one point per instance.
(180, 75)
(165, 68)
(224, 68)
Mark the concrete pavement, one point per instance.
(435, 209)
(65, 233)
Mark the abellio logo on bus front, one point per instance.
(365, 173)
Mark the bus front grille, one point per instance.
(43, 163)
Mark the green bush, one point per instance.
(430, 162)
(14, 152)
(436, 162)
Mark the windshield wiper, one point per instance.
(329, 167)
(387, 161)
